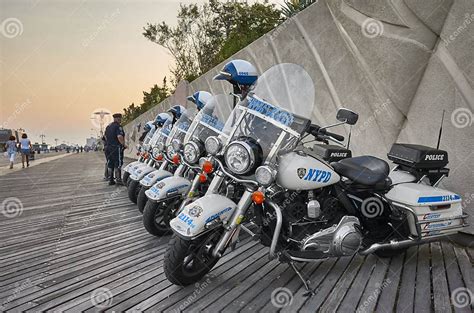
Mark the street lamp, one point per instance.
(101, 114)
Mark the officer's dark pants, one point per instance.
(114, 155)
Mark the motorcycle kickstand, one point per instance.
(306, 283)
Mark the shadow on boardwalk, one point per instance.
(67, 237)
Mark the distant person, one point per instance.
(115, 144)
(82, 149)
(25, 148)
(10, 147)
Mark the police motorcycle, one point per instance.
(166, 196)
(154, 160)
(148, 142)
(332, 210)
(162, 151)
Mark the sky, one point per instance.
(61, 61)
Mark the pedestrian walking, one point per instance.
(115, 144)
(11, 147)
(25, 148)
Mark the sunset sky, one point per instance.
(62, 60)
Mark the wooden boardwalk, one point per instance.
(69, 242)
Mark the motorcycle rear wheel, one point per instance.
(142, 199)
(188, 261)
(155, 219)
(133, 189)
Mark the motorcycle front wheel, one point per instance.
(125, 177)
(156, 218)
(133, 189)
(142, 199)
(188, 261)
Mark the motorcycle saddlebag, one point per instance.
(331, 153)
(417, 156)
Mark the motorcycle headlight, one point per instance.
(155, 152)
(213, 145)
(192, 152)
(265, 175)
(239, 157)
(160, 146)
(176, 144)
(170, 151)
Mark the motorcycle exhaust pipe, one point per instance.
(402, 244)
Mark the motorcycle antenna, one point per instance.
(440, 130)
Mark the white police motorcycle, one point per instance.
(199, 98)
(154, 160)
(166, 196)
(347, 207)
(149, 129)
(148, 143)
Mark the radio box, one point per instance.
(417, 156)
(331, 153)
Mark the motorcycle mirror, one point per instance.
(347, 116)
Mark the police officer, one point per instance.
(115, 144)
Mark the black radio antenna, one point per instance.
(440, 130)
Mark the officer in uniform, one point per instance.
(115, 144)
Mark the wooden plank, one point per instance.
(387, 299)
(357, 287)
(406, 294)
(442, 301)
(334, 299)
(374, 287)
(455, 280)
(423, 281)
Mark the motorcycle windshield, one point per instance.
(276, 112)
(180, 128)
(161, 134)
(149, 136)
(211, 119)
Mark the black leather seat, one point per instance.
(365, 170)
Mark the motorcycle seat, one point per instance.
(364, 170)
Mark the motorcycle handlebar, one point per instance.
(316, 130)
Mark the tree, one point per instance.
(150, 99)
(207, 34)
(292, 7)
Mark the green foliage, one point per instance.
(150, 99)
(292, 7)
(207, 34)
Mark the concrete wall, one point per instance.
(398, 63)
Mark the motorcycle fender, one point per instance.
(192, 220)
(141, 172)
(153, 177)
(135, 167)
(168, 187)
(130, 165)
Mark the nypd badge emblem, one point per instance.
(301, 172)
(195, 211)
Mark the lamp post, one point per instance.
(101, 114)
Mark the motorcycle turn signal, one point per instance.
(202, 178)
(176, 159)
(207, 167)
(258, 197)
